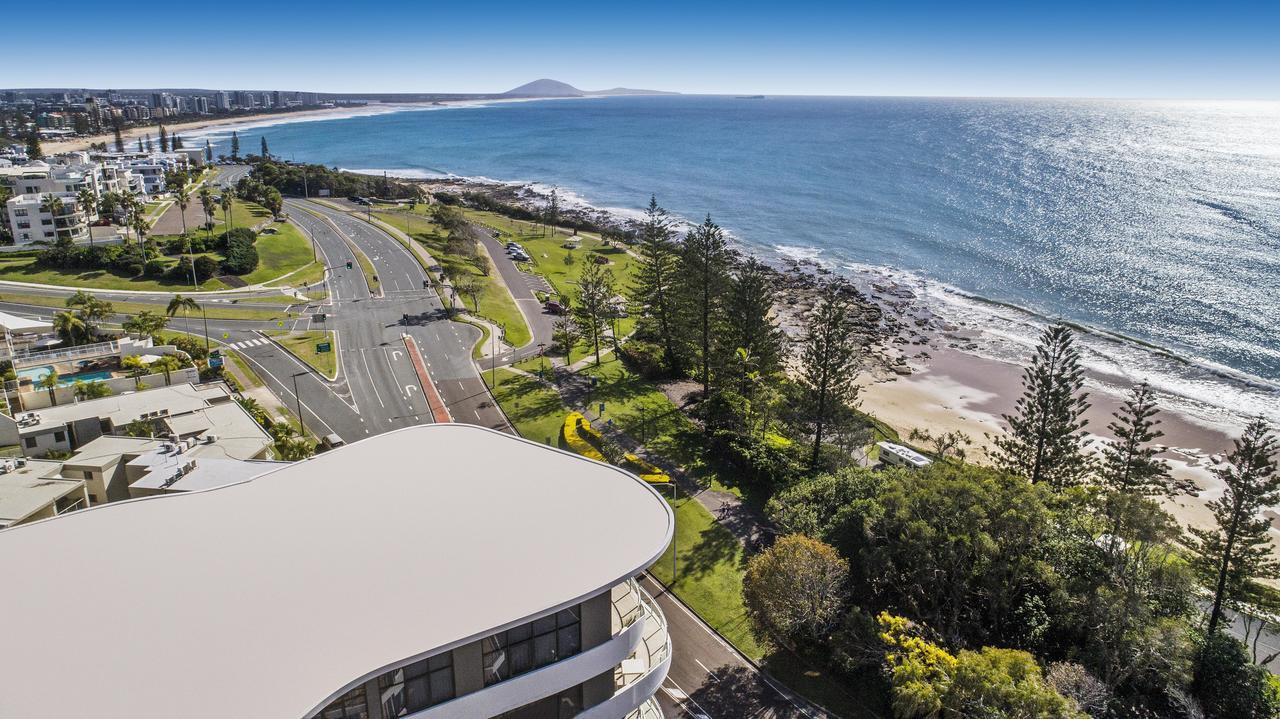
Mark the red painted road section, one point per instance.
(438, 410)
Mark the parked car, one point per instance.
(331, 441)
(553, 307)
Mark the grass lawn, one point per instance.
(24, 269)
(634, 404)
(132, 308)
(534, 408)
(366, 267)
(495, 303)
(303, 346)
(280, 253)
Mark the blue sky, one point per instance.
(1076, 49)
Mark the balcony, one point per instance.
(634, 628)
(640, 675)
(648, 710)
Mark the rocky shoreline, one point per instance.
(893, 326)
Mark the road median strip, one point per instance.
(439, 412)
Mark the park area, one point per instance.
(284, 255)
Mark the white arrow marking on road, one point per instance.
(395, 354)
(408, 387)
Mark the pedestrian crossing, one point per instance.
(245, 344)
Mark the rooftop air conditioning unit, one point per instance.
(210, 438)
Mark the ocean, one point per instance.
(1152, 225)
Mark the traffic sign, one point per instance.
(324, 347)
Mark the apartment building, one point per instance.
(174, 413)
(29, 492)
(34, 218)
(436, 572)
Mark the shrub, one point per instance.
(793, 591)
(643, 358)
(191, 345)
(758, 461)
(1229, 684)
(206, 267)
(181, 270)
(155, 268)
(242, 256)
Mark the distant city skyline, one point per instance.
(1084, 49)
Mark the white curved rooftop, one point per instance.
(263, 599)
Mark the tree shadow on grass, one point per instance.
(716, 547)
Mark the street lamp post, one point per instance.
(301, 423)
(205, 316)
(674, 488)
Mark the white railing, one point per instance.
(635, 689)
(648, 710)
(99, 349)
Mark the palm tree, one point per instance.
(53, 204)
(88, 200)
(228, 195)
(70, 327)
(255, 410)
(184, 199)
(206, 202)
(50, 382)
(167, 364)
(137, 368)
(182, 303)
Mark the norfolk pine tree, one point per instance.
(1237, 552)
(595, 295)
(235, 145)
(1045, 435)
(703, 281)
(827, 363)
(654, 290)
(751, 327)
(164, 139)
(119, 137)
(265, 151)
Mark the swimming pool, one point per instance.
(36, 374)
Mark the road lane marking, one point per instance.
(369, 374)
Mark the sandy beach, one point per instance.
(957, 391)
(53, 147)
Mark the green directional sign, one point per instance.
(324, 347)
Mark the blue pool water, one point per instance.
(36, 374)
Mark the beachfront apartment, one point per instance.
(436, 572)
(33, 218)
(205, 413)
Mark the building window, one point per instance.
(420, 685)
(530, 646)
(30, 442)
(351, 705)
(59, 436)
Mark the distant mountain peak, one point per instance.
(545, 88)
(554, 88)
